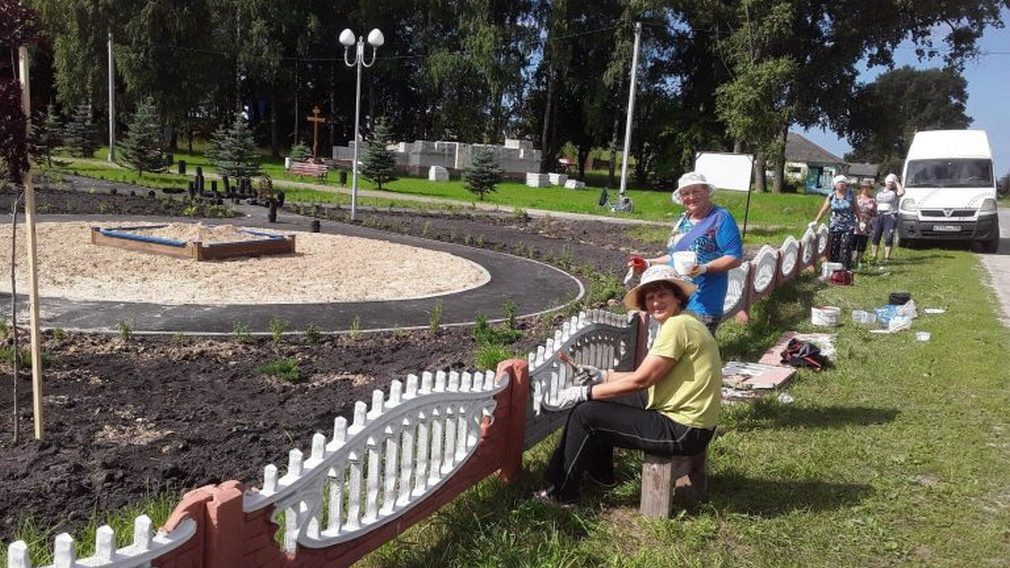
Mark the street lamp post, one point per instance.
(375, 39)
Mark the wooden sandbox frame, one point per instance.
(121, 237)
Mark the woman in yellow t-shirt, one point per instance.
(682, 375)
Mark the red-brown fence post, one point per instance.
(518, 371)
(225, 527)
(193, 553)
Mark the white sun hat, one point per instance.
(689, 179)
(890, 178)
(839, 179)
(660, 272)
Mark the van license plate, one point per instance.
(947, 228)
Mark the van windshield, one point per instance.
(961, 172)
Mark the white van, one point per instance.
(950, 189)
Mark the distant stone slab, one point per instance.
(575, 184)
(537, 180)
(558, 179)
(438, 173)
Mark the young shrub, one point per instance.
(241, 333)
(142, 148)
(277, 328)
(379, 162)
(355, 332)
(312, 335)
(509, 310)
(125, 328)
(285, 369)
(484, 173)
(435, 317)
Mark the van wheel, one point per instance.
(992, 245)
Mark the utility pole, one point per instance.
(112, 103)
(631, 109)
(33, 263)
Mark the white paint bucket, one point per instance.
(828, 267)
(684, 261)
(826, 316)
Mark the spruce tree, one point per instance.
(233, 150)
(45, 136)
(142, 148)
(379, 163)
(484, 172)
(300, 152)
(79, 133)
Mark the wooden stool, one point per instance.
(669, 478)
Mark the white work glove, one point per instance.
(571, 396)
(589, 375)
(811, 224)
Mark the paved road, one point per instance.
(999, 265)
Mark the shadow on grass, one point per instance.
(733, 492)
(766, 413)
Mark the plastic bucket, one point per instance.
(828, 267)
(863, 317)
(825, 316)
(684, 261)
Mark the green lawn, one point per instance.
(896, 456)
(791, 210)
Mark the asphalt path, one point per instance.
(533, 286)
(998, 266)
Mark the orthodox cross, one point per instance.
(316, 120)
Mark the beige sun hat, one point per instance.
(663, 272)
(689, 179)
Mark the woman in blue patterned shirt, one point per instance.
(842, 223)
(712, 234)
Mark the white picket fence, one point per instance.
(146, 546)
(390, 458)
(409, 443)
(595, 337)
(756, 276)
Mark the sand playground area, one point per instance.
(325, 269)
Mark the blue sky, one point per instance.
(988, 89)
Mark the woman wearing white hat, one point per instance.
(842, 204)
(887, 217)
(711, 233)
(682, 375)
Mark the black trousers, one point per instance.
(596, 427)
(840, 247)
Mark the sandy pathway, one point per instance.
(325, 269)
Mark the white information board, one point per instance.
(725, 171)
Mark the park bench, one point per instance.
(666, 479)
(308, 169)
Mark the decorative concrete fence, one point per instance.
(406, 454)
